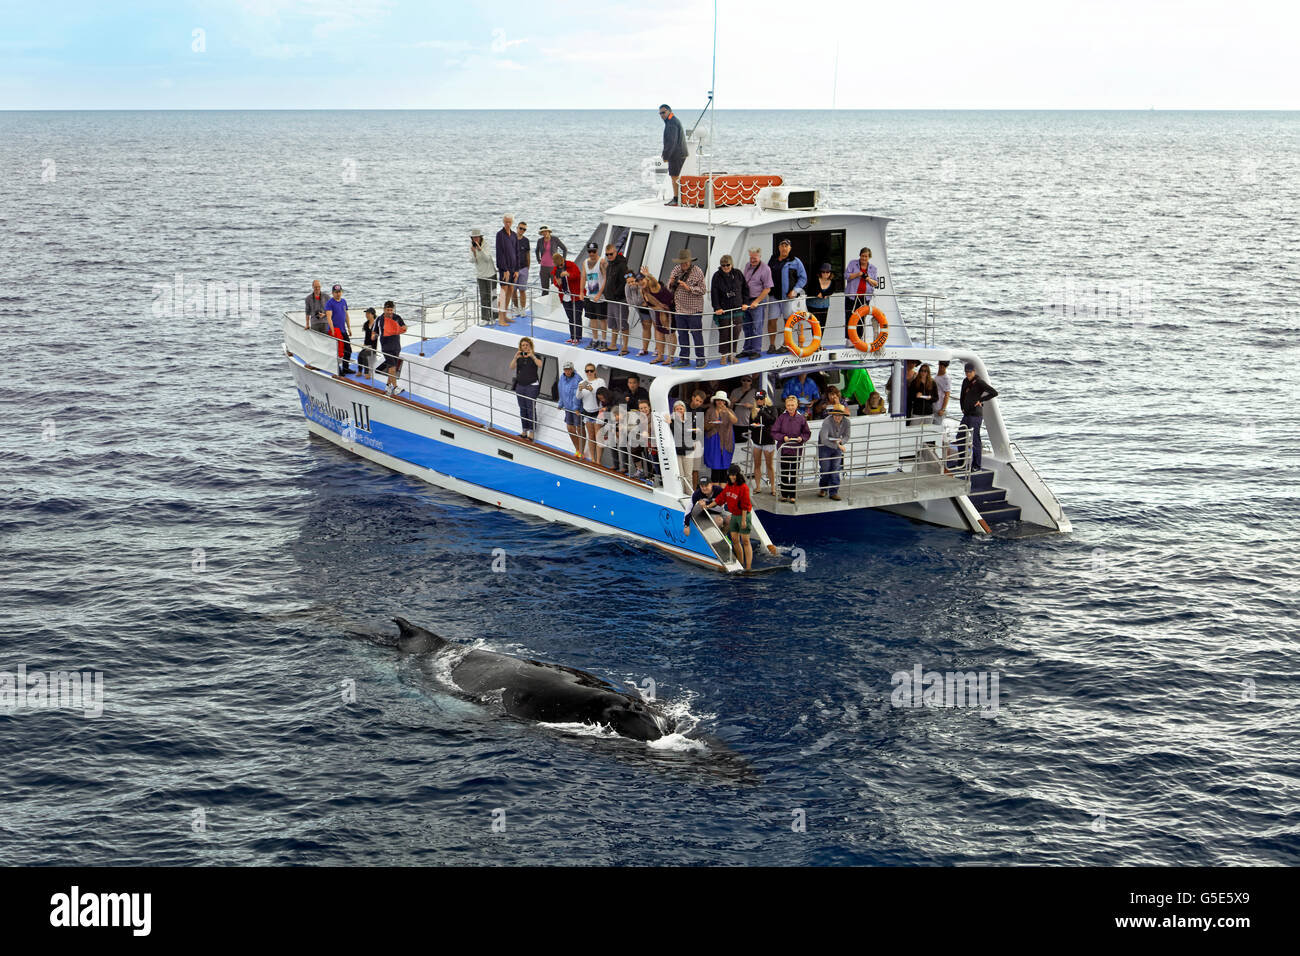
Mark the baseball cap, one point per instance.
(970, 366)
(337, 287)
(760, 394)
(592, 247)
(568, 365)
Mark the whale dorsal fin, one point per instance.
(414, 639)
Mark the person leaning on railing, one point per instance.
(636, 311)
(661, 304)
(485, 271)
(758, 286)
(831, 445)
(788, 280)
(369, 342)
(568, 286)
(686, 283)
(727, 294)
(791, 432)
(570, 402)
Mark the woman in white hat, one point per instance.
(719, 436)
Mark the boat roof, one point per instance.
(745, 216)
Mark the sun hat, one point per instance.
(837, 409)
(684, 256)
(722, 395)
(476, 233)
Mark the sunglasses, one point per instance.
(590, 371)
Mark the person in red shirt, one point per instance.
(568, 283)
(735, 495)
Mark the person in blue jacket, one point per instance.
(566, 386)
(788, 280)
(804, 389)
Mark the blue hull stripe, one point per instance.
(646, 519)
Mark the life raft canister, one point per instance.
(864, 312)
(803, 351)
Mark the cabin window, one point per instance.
(677, 241)
(632, 243)
(598, 237)
(485, 362)
(813, 247)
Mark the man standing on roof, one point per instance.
(788, 280)
(674, 149)
(507, 266)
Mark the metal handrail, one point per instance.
(1056, 511)
(499, 403)
(557, 319)
(904, 448)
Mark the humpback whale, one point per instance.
(532, 690)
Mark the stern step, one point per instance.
(991, 501)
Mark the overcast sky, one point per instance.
(913, 54)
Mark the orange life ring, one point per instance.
(876, 316)
(803, 350)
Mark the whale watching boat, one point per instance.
(454, 420)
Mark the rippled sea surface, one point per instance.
(1132, 280)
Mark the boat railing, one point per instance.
(893, 459)
(469, 306)
(494, 409)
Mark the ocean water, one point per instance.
(165, 520)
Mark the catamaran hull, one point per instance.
(490, 467)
